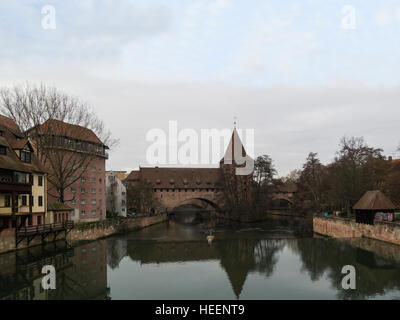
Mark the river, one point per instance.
(276, 259)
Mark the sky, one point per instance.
(301, 74)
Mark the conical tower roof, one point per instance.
(235, 152)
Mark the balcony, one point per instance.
(16, 187)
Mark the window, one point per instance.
(83, 201)
(123, 193)
(93, 190)
(93, 179)
(83, 179)
(24, 201)
(93, 212)
(20, 177)
(7, 200)
(73, 190)
(32, 198)
(83, 212)
(82, 190)
(55, 218)
(93, 169)
(3, 150)
(94, 201)
(40, 201)
(29, 220)
(40, 181)
(25, 156)
(39, 220)
(73, 201)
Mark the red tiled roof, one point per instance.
(178, 177)
(69, 130)
(57, 206)
(10, 160)
(10, 124)
(18, 144)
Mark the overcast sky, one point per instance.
(294, 71)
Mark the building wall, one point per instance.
(115, 195)
(39, 191)
(91, 189)
(345, 228)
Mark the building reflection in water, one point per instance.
(237, 257)
(240, 256)
(81, 272)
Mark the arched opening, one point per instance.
(281, 204)
(194, 210)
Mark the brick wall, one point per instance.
(346, 228)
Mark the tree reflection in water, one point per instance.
(239, 251)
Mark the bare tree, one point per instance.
(141, 197)
(65, 132)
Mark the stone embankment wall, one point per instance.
(84, 231)
(347, 228)
(7, 240)
(97, 230)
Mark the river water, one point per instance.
(277, 259)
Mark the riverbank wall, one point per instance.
(347, 228)
(7, 240)
(104, 229)
(85, 231)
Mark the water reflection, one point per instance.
(273, 260)
(81, 272)
(242, 252)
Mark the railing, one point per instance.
(45, 228)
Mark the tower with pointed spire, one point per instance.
(236, 186)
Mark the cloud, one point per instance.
(83, 28)
(216, 6)
(382, 18)
(289, 121)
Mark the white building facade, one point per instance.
(115, 195)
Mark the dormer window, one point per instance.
(25, 156)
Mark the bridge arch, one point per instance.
(198, 202)
(282, 203)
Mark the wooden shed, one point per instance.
(371, 203)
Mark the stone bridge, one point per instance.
(199, 198)
(199, 187)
